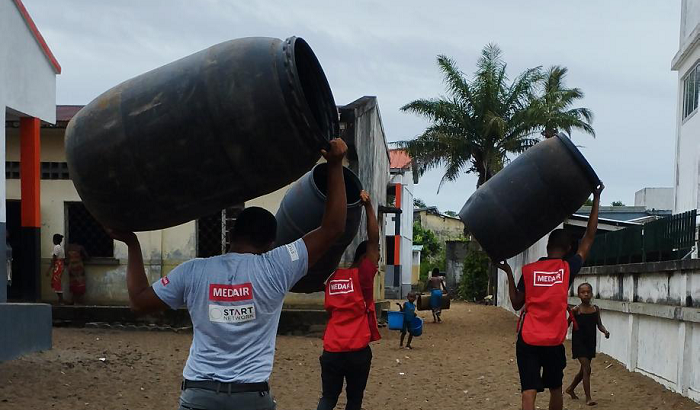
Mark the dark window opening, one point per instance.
(83, 229)
(214, 232)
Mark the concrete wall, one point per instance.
(654, 198)
(652, 311)
(444, 227)
(26, 328)
(455, 254)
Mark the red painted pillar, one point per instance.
(30, 179)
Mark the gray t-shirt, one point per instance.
(235, 301)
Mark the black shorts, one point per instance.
(540, 367)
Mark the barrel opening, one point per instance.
(317, 92)
(352, 183)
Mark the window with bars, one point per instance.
(691, 90)
(84, 230)
(49, 170)
(214, 232)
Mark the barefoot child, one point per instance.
(542, 293)
(583, 341)
(409, 312)
(436, 284)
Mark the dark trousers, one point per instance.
(353, 367)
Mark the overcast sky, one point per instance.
(618, 52)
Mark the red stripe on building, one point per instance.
(30, 151)
(397, 238)
(37, 36)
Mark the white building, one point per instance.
(655, 198)
(687, 195)
(400, 275)
(28, 72)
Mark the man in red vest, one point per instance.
(543, 290)
(353, 322)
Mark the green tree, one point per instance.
(617, 203)
(451, 213)
(482, 120)
(475, 276)
(419, 203)
(589, 202)
(553, 107)
(427, 238)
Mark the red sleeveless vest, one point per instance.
(353, 322)
(544, 321)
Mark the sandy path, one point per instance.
(465, 363)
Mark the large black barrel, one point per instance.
(529, 198)
(301, 211)
(221, 126)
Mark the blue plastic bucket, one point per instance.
(395, 320)
(417, 326)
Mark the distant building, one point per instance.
(655, 198)
(399, 226)
(635, 214)
(63, 212)
(444, 226)
(687, 63)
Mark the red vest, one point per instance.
(353, 321)
(544, 321)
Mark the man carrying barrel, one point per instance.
(235, 300)
(542, 293)
(352, 324)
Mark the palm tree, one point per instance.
(484, 119)
(553, 106)
(479, 122)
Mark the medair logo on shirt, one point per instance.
(230, 293)
(549, 278)
(339, 286)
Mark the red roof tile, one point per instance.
(399, 159)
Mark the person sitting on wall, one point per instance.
(543, 291)
(235, 300)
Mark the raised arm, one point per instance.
(587, 241)
(334, 215)
(517, 298)
(372, 229)
(142, 297)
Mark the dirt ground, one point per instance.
(465, 363)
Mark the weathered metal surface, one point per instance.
(229, 123)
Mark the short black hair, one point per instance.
(360, 251)
(584, 284)
(436, 272)
(57, 238)
(256, 226)
(559, 239)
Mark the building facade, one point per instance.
(63, 212)
(687, 63)
(28, 72)
(399, 227)
(444, 226)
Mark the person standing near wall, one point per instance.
(76, 271)
(58, 259)
(353, 322)
(235, 300)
